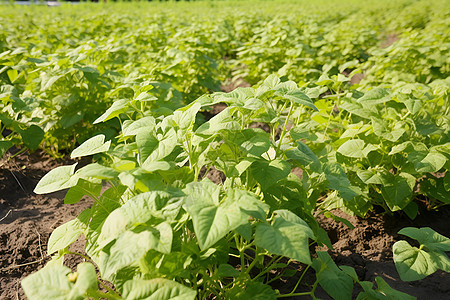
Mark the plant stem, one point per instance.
(300, 279)
(283, 133)
(294, 295)
(18, 153)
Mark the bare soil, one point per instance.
(27, 220)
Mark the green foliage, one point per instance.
(414, 263)
(161, 228)
(77, 82)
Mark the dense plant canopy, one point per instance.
(347, 108)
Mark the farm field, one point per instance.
(225, 150)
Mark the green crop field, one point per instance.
(303, 108)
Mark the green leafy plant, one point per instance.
(414, 263)
(162, 226)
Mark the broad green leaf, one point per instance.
(413, 105)
(153, 148)
(118, 107)
(83, 187)
(152, 166)
(333, 280)
(435, 188)
(57, 179)
(69, 232)
(51, 282)
(268, 173)
(383, 291)
(4, 147)
(381, 129)
(12, 74)
(32, 136)
(288, 236)
(222, 120)
(373, 176)
(397, 190)
(92, 146)
(132, 245)
(48, 81)
(185, 118)
(213, 219)
(86, 280)
(226, 270)
(298, 97)
(109, 201)
(427, 163)
(408, 147)
(271, 81)
(375, 96)
(156, 289)
(131, 128)
(352, 148)
(146, 142)
(357, 109)
(253, 141)
(63, 236)
(414, 264)
(170, 264)
(324, 80)
(427, 127)
(338, 180)
(428, 237)
(389, 292)
(142, 208)
(245, 231)
(303, 155)
(98, 171)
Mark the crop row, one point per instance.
(60, 68)
(140, 91)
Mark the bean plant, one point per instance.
(162, 229)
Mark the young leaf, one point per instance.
(57, 179)
(213, 220)
(416, 263)
(4, 146)
(288, 236)
(52, 282)
(427, 237)
(92, 146)
(86, 281)
(413, 263)
(83, 187)
(32, 136)
(397, 190)
(226, 270)
(352, 148)
(389, 292)
(63, 236)
(131, 128)
(337, 283)
(268, 173)
(374, 96)
(118, 107)
(132, 245)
